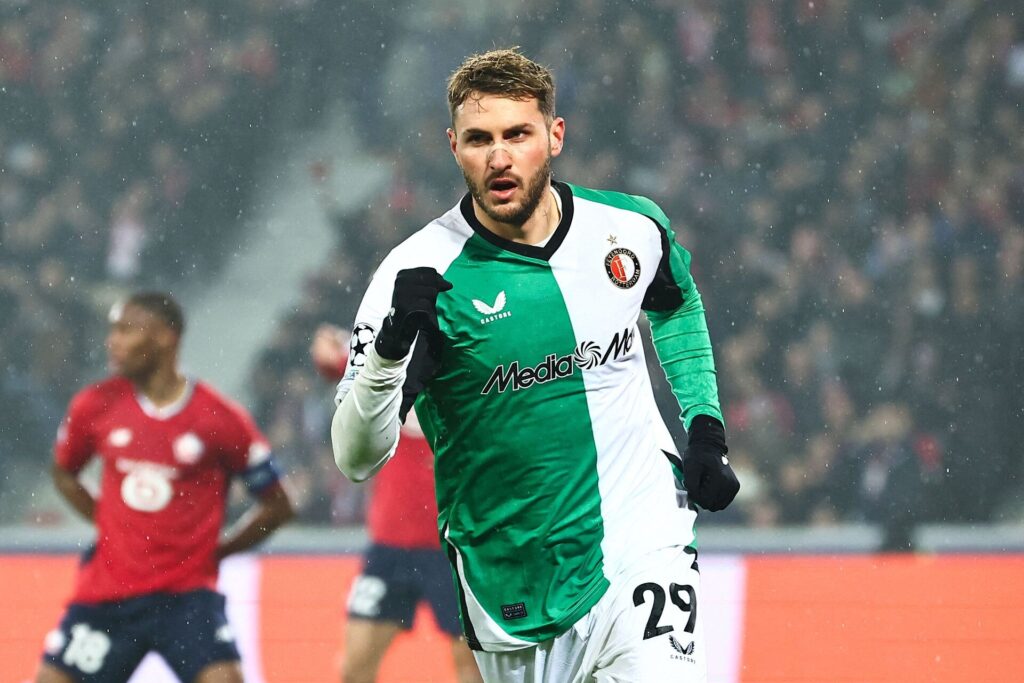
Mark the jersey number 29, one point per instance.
(684, 597)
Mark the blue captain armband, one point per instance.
(262, 476)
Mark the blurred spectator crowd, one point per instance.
(850, 179)
(849, 176)
(128, 139)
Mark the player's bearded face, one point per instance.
(504, 148)
(511, 212)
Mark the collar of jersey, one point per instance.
(543, 253)
(170, 410)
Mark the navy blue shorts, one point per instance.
(395, 580)
(104, 643)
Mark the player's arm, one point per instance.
(73, 491)
(273, 509)
(73, 449)
(247, 453)
(366, 424)
(680, 334)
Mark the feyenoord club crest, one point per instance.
(623, 267)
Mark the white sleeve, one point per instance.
(366, 424)
(364, 431)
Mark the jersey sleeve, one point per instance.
(366, 424)
(246, 452)
(374, 307)
(76, 438)
(679, 330)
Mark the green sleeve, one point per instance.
(680, 333)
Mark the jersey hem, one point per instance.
(554, 629)
(77, 599)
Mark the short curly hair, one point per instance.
(505, 72)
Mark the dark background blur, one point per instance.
(849, 177)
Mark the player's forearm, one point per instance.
(683, 345)
(364, 431)
(72, 490)
(259, 522)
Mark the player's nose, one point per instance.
(499, 158)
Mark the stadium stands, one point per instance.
(850, 183)
(127, 144)
(848, 176)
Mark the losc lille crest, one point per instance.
(623, 267)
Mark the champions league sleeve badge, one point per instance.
(359, 343)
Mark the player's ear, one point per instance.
(556, 134)
(452, 140)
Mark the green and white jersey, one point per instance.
(553, 467)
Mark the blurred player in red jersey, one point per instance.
(169, 447)
(404, 563)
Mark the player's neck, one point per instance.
(163, 387)
(537, 228)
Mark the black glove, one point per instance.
(413, 308)
(707, 476)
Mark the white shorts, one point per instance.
(645, 629)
